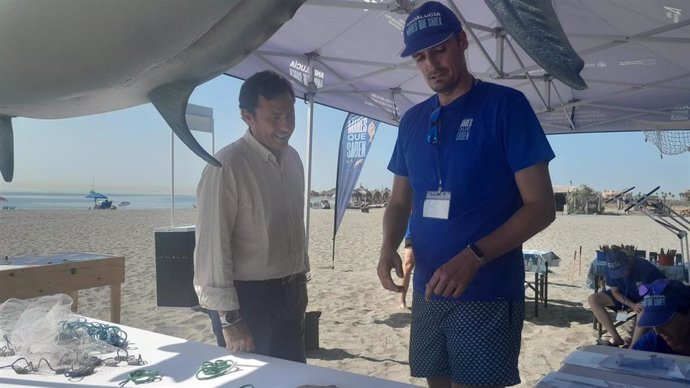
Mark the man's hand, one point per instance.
(238, 338)
(452, 278)
(637, 308)
(388, 260)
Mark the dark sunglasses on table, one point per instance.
(432, 136)
(656, 288)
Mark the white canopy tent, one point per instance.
(345, 54)
(636, 53)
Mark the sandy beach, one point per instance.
(362, 330)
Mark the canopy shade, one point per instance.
(636, 53)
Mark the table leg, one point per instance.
(546, 286)
(595, 323)
(115, 302)
(75, 299)
(536, 293)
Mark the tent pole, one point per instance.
(307, 172)
(213, 140)
(172, 174)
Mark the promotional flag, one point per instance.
(355, 142)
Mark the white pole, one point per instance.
(307, 173)
(172, 173)
(213, 138)
(310, 130)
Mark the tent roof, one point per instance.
(636, 53)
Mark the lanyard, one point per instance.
(437, 124)
(438, 168)
(437, 145)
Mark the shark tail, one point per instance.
(535, 27)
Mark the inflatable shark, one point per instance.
(73, 58)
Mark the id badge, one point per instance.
(622, 316)
(437, 205)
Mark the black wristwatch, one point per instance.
(476, 252)
(230, 318)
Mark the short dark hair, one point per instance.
(267, 84)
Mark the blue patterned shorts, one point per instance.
(474, 342)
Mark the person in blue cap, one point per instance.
(623, 276)
(472, 161)
(666, 309)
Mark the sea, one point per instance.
(38, 201)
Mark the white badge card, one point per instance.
(437, 205)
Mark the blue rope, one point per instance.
(112, 335)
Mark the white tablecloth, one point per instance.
(536, 261)
(178, 361)
(607, 366)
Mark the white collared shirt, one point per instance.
(250, 223)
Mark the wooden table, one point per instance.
(26, 277)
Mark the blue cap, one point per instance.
(662, 301)
(428, 25)
(617, 264)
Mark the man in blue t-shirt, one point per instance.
(623, 276)
(472, 161)
(666, 308)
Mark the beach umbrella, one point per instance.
(95, 196)
(3, 198)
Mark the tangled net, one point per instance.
(46, 328)
(669, 142)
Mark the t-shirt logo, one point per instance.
(464, 130)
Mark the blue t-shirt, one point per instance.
(641, 272)
(651, 342)
(408, 235)
(485, 137)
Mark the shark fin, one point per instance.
(171, 102)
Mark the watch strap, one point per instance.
(476, 252)
(230, 318)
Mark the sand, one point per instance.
(362, 330)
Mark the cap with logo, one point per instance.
(662, 300)
(428, 25)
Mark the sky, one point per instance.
(129, 151)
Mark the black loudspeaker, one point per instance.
(311, 330)
(175, 267)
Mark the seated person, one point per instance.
(666, 307)
(623, 276)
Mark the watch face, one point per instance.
(232, 316)
(476, 251)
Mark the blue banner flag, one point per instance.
(355, 141)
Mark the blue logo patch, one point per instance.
(463, 133)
